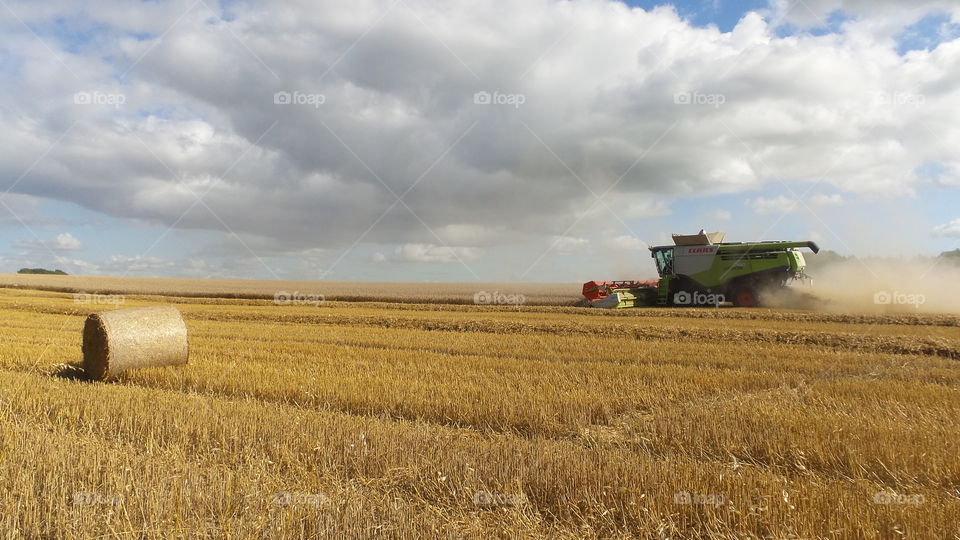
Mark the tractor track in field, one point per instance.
(598, 419)
(585, 438)
(848, 341)
(633, 361)
(357, 465)
(457, 306)
(844, 341)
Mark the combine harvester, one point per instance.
(702, 270)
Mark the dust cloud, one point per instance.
(879, 286)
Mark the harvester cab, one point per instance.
(702, 270)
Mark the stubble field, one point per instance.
(385, 419)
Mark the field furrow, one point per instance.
(360, 421)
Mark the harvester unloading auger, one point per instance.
(702, 270)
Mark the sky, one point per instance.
(409, 140)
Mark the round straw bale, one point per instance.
(115, 341)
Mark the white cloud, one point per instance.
(774, 205)
(62, 242)
(430, 253)
(624, 242)
(77, 266)
(813, 235)
(199, 117)
(19, 210)
(67, 242)
(136, 265)
(827, 200)
(471, 234)
(878, 14)
(951, 229)
(784, 204)
(719, 215)
(566, 245)
(631, 208)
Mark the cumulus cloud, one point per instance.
(136, 265)
(23, 210)
(827, 200)
(951, 229)
(774, 205)
(624, 242)
(567, 245)
(78, 266)
(431, 253)
(782, 204)
(881, 14)
(67, 242)
(62, 242)
(719, 215)
(169, 113)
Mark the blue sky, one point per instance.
(924, 34)
(502, 193)
(723, 14)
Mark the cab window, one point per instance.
(664, 259)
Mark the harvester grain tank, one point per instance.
(702, 270)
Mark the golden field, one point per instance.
(406, 420)
(425, 292)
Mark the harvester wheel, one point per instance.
(745, 297)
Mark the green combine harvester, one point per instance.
(702, 270)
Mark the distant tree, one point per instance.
(57, 272)
(951, 258)
(955, 254)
